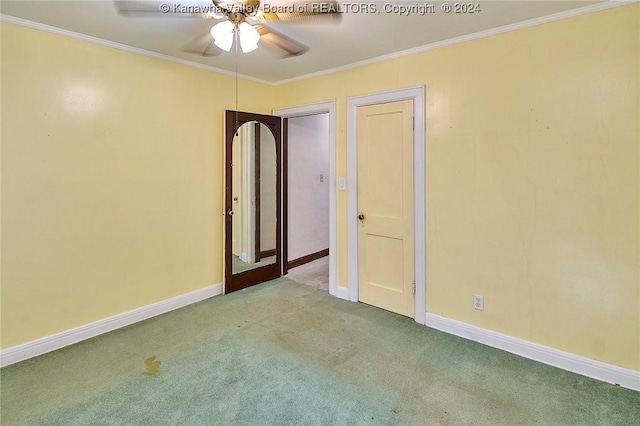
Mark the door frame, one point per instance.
(417, 94)
(328, 107)
(256, 192)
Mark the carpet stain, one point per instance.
(341, 355)
(153, 366)
(321, 351)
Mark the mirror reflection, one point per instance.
(253, 197)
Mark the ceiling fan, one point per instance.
(244, 21)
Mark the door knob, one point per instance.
(361, 216)
(230, 212)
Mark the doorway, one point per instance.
(387, 266)
(329, 108)
(306, 199)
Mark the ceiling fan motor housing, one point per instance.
(239, 7)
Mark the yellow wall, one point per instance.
(532, 178)
(112, 179)
(112, 167)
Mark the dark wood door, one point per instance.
(258, 272)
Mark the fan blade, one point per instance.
(328, 10)
(203, 46)
(287, 47)
(165, 9)
(209, 52)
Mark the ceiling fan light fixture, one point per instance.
(249, 37)
(222, 34)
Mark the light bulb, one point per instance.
(222, 34)
(249, 37)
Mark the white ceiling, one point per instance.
(356, 37)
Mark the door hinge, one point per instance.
(413, 123)
(414, 287)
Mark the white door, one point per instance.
(385, 206)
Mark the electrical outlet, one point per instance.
(321, 177)
(478, 302)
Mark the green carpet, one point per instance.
(285, 353)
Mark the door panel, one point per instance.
(253, 251)
(385, 203)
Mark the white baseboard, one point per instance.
(60, 340)
(576, 364)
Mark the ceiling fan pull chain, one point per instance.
(235, 32)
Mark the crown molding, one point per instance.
(120, 46)
(468, 37)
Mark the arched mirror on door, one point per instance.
(252, 200)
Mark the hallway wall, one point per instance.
(308, 196)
